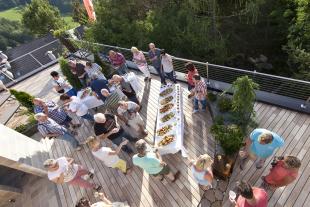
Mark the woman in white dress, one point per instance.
(202, 171)
(139, 59)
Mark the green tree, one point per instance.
(40, 17)
(243, 102)
(23, 98)
(79, 13)
(12, 33)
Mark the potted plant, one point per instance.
(26, 100)
(230, 134)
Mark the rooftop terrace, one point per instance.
(139, 189)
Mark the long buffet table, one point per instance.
(170, 121)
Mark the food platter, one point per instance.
(166, 100)
(166, 108)
(167, 117)
(164, 130)
(166, 92)
(166, 140)
(170, 120)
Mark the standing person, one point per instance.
(283, 172)
(139, 59)
(152, 163)
(154, 55)
(260, 145)
(2, 86)
(106, 128)
(105, 202)
(126, 88)
(109, 157)
(250, 196)
(202, 171)
(167, 65)
(200, 94)
(61, 85)
(94, 68)
(64, 170)
(118, 61)
(53, 111)
(76, 105)
(111, 100)
(97, 84)
(4, 61)
(78, 69)
(49, 128)
(128, 112)
(191, 71)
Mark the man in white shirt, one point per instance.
(76, 105)
(63, 170)
(167, 65)
(128, 112)
(61, 85)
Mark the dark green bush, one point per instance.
(230, 137)
(65, 69)
(23, 98)
(224, 104)
(23, 128)
(212, 97)
(105, 67)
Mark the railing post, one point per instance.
(304, 106)
(207, 66)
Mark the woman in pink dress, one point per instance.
(139, 59)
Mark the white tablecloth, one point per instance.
(177, 122)
(89, 100)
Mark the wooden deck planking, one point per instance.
(139, 189)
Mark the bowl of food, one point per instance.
(166, 92)
(167, 117)
(166, 140)
(164, 130)
(166, 108)
(166, 100)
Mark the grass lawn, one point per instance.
(12, 14)
(15, 14)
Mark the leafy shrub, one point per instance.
(105, 67)
(65, 69)
(212, 97)
(230, 137)
(243, 102)
(24, 127)
(224, 104)
(23, 98)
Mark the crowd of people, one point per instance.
(118, 127)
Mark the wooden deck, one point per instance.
(139, 189)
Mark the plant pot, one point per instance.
(31, 130)
(223, 166)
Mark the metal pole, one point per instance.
(207, 66)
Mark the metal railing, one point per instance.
(288, 87)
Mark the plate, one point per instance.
(166, 140)
(166, 108)
(167, 117)
(166, 92)
(166, 100)
(164, 130)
